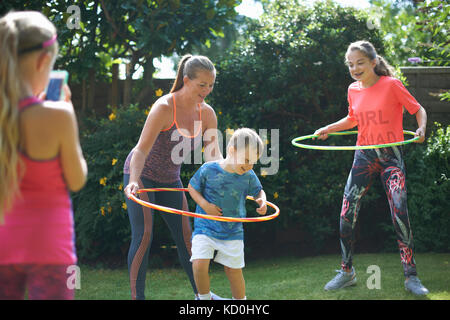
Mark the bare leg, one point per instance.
(200, 268)
(237, 282)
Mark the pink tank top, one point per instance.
(39, 227)
(158, 165)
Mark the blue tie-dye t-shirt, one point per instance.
(228, 191)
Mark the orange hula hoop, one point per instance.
(198, 215)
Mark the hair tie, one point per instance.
(48, 43)
(43, 45)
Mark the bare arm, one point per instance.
(73, 164)
(421, 117)
(261, 200)
(209, 208)
(156, 121)
(343, 124)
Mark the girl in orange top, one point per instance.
(376, 102)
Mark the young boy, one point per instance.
(220, 188)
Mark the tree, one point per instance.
(136, 31)
(149, 29)
(419, 30)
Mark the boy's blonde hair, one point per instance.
(19, 31)
(246, 137)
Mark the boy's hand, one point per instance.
(212, 209)
(262, 206)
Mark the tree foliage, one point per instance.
(132, 31)
(419, 30)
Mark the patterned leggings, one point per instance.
(388, 163)
(43, 282)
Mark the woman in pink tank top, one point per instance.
(41, 160)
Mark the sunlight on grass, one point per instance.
(280, 279)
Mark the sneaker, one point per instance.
(213, 297)
(341, 280)
(216, 297)
(413, 284)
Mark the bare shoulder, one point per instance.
(162, 108)
(207, 110)
(59, 113)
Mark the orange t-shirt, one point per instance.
(378, 110)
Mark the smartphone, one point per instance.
(54, 91)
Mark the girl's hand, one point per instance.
(262, 206)
(131, 189)
(420, 133)
(212, 209)
(322, 133)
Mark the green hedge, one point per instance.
(288, 74)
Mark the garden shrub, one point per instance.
(288, 74)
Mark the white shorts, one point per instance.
(230, 253)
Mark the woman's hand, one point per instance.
(131, 189)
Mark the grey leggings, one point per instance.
(141, 220)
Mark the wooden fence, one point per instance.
(425, 83)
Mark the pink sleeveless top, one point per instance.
(39, 227)
(158, 165)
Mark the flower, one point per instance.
(114, 161)
(158, 93)
(275, 195)
(124, 206)
(120, 186)
(415, 60)
(229, 131)
(263, 173)
(103, 181)
(112, 116)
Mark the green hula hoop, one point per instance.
(343, 133)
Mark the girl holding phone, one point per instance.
(40, 161)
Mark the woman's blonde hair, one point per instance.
(382, 68)
(189, 65)
(19, 32)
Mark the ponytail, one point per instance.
(189, 66)
(178, 84)
(382, 68)
(9, 115)
(20, 34)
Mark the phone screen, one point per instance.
(54, 89)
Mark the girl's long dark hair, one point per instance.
(382, 68)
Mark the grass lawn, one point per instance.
(280, 279)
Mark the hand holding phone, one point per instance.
(55, 88)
